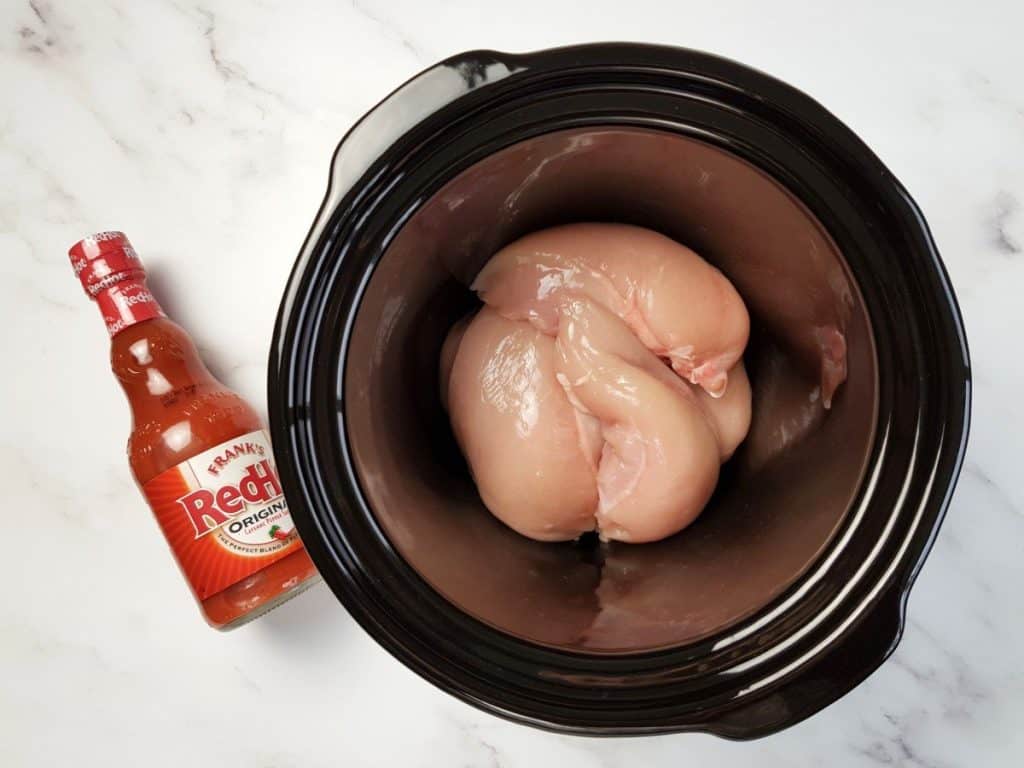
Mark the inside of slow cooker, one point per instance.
(779, 500)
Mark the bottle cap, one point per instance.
(103, 259)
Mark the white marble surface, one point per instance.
(204, 131)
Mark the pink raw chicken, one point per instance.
(729, 414)
(660, 459)
(534, 457)
(677, 304)
(560, 397)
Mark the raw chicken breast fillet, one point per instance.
(678, 305)
(602, 384)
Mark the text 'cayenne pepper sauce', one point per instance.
(198, 451)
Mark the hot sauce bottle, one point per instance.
(199, 452)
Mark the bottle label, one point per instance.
(223, 513)
(126, 303)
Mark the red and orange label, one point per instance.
(223, 513)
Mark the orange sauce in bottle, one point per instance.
(198, 451)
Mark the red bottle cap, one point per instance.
(103, 259)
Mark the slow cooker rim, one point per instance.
(282, 393)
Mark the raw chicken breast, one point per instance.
(730, 414)
(534, 457)
(559, 392)
(678, 305)
(659, 464)
(448, 350)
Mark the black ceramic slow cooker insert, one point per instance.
(792, 585)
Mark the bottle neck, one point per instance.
(127, 302)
